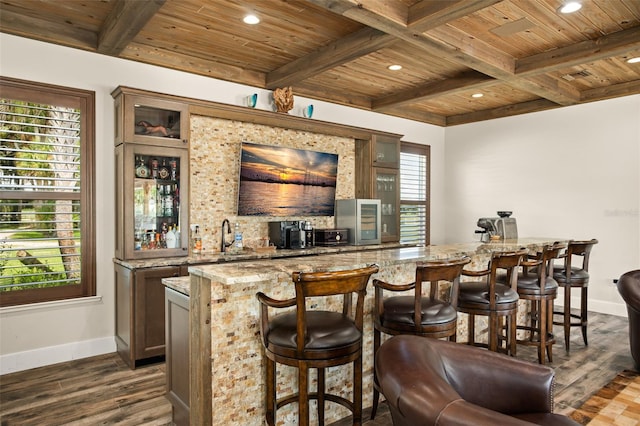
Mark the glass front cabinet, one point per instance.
(150, 120)
(152, 174)
(378, 176)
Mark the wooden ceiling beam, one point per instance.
(469, 81)
(341, 51)
(500, 112)
(20, 24)
(613, 91)
(428, 14)
(124, 22)
(419, 115)
(614, 44)
(153, 56)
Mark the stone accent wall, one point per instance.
(215, 169)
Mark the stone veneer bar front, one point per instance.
(226, 355)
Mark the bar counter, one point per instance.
(226, 356)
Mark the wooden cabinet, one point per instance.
(148, 118)
(140, 311)
(378, 177)
(177, 354)
(152, 175)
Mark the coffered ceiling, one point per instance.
(520, 55)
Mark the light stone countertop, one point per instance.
(209, 257)
(259, 270)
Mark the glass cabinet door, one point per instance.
(387, 187)
(151, 121)
(154, 201)
(386, 152)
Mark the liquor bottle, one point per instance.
(137, 240)
(170, 238)
(163, 235)
(174, 168)
(163, 172)
(177, 232)
(154, 168)
(142, 171)
(197, 241)
(167, 201)
(159, 200)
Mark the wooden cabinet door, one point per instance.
(177, 357)
(149, 310)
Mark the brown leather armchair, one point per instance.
(629, 288)
(434, 382)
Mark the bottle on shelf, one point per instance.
(154, 168)
(163, 172)
(170, 238)
(177, 232)
(142, 171)
(167, 201)
(174, 168)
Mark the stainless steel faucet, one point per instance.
(223, 243)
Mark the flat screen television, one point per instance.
(279, 181)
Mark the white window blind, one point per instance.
(413, 197)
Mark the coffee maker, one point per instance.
(503, 227)
(286, 234)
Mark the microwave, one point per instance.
(362, 218)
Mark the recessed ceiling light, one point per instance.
(633, 60)
(251, 19)
(477, 95)
(395, 67)
(570, 7)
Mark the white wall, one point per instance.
(524, 164)
(569, 173)
(39, 335)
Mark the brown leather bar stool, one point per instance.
(571, 275)
(308, 338)
(417, 314)
(494, 300)
(538, 286)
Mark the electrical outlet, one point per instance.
(193, 227)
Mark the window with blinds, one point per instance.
(414, 193)
(46, 208)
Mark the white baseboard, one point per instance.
(603, 307)
(26, 360)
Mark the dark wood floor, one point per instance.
(103, 390)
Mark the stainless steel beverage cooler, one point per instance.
(362, 218)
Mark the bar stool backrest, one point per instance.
(316, 284)
(579, 248)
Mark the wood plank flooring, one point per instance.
(103, 390)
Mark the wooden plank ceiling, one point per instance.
(521, 55)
